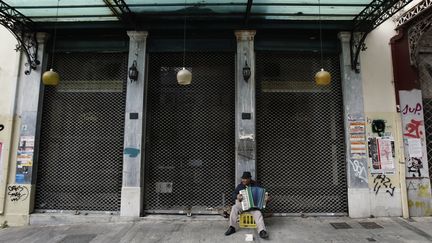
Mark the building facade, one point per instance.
(102, 142)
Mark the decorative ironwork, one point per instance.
(414, 35)
(23, 30)
(357, 43)
(122, 11)
(367, 20)
(415, 11)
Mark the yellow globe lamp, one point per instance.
(322, 78)
(50, 78)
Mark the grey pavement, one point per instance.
(200, 229)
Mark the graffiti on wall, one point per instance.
(422, 189)
(17, 193)
(1, 127)
(359, 170)
(414, 134)
(415, 109)
(414, 167)
(413, 129)
(383, 182)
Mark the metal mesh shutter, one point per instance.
(427, 109)
(300, 134)
(80, 161)
(190, 133)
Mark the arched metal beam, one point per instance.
(367, 20)
(23, 30)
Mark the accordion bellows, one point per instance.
(253, 198)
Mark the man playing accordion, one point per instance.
(246, 182)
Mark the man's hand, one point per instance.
(266, 197)
(239, 197)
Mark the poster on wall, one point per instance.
(24, 160)
(381, 155)
(357, 138)
(415, 148)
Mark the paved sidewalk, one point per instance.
(196, 229)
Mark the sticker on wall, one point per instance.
(24, 160)
(357, 127)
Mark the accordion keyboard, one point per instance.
(245, 201)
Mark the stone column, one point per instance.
(133, 165)
(245, 105)
(357, 167)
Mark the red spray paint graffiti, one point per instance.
(413, 129)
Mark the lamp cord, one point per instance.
(320, 28)
(184, 35)
(55, 34)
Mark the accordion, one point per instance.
(253, 198)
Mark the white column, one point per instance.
(27, 124)
(357, 167)
(245, 105)
(133, 165)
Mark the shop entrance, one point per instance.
(190, 147)
(300, 134)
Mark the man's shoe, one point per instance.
(263, 234)
(231, 230)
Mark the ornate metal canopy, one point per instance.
(23, 17)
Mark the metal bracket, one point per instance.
(248, 11)
(367, 20)
(23, 30)
(356, 45)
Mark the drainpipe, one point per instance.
(402, 177)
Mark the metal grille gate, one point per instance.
(80, 161)
(427, 109)
(190, 133)
(300, 134)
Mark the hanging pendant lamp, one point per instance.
(322, 77)
(52, 78)
(184, 76)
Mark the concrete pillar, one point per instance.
(29, 100)
(26, 129)
(245, 105)
(132, 186)
(356, 164)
